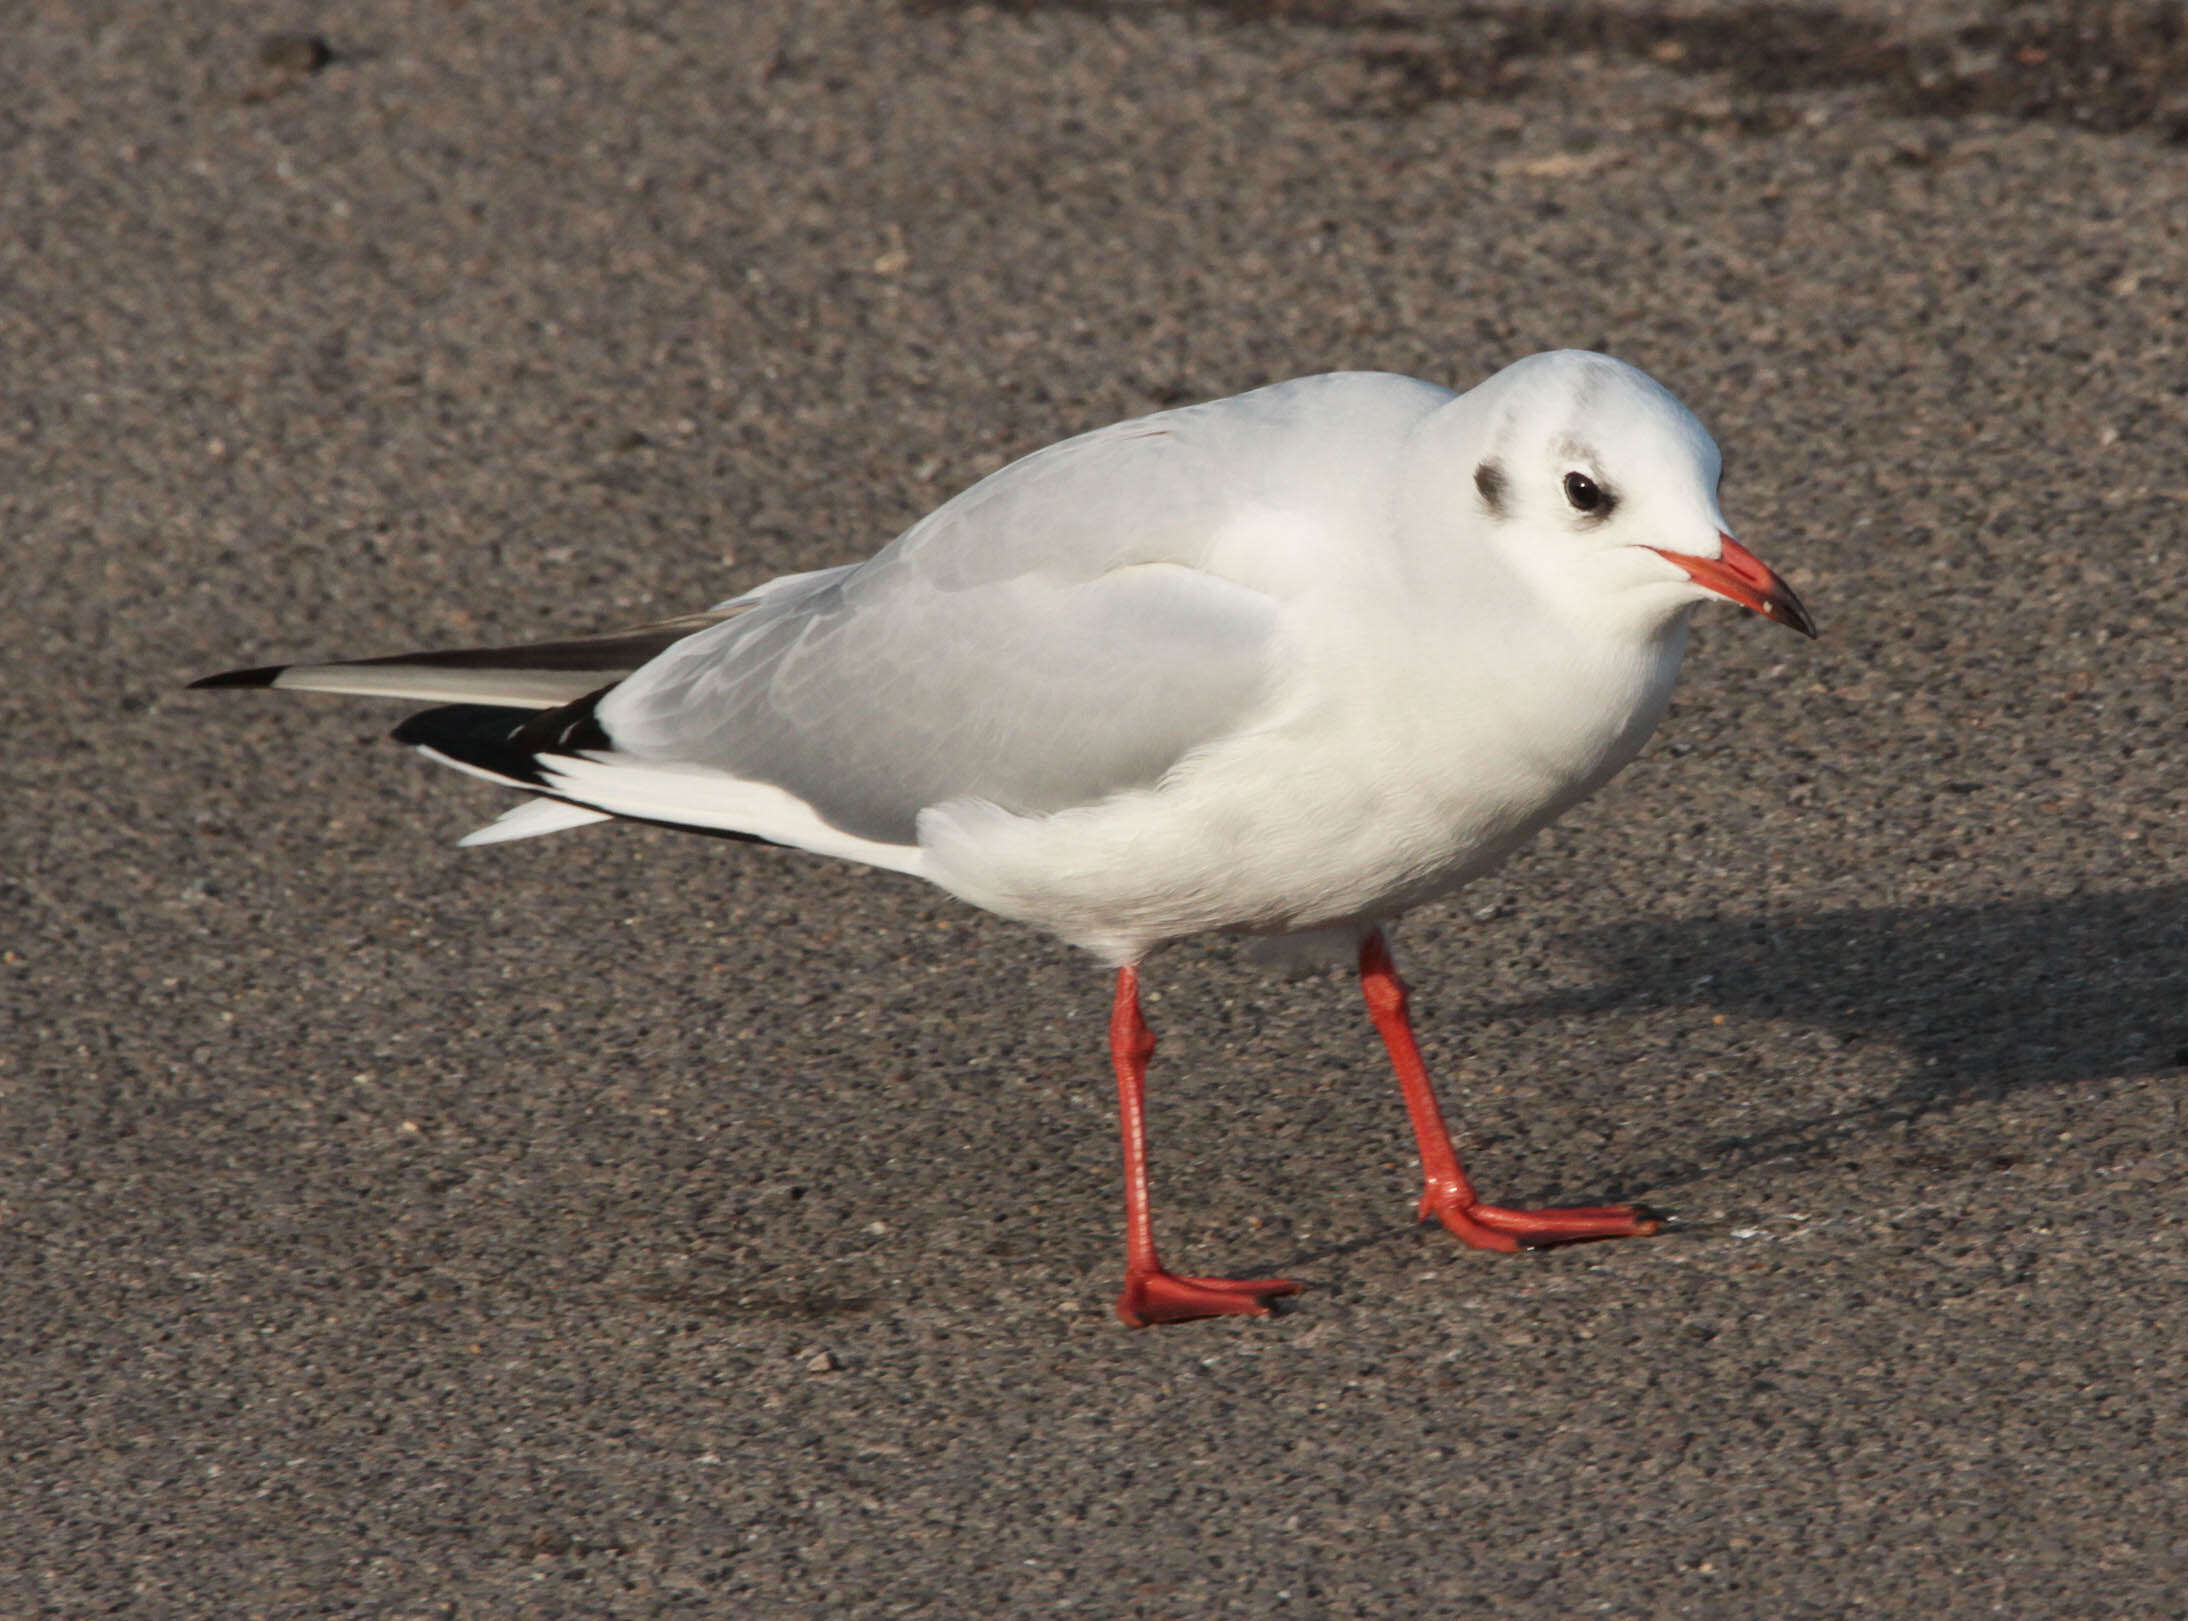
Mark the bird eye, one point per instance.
(1583, 492)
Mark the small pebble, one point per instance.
(294, 53)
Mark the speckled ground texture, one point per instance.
(625, 1224)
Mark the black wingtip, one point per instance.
(480, 735)
(506, 742)
(263, 676)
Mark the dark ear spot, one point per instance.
(1489, 479)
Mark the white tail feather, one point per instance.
(533, 818)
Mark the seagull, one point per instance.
(1284, 665)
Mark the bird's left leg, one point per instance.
(1151, 1293)
(1446, 1194)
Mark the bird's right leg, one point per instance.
(1446, 1193)
(1151, 1294)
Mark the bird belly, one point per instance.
(1318, 820)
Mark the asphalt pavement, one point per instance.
(627, 1224)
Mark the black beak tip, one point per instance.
(1789, 612)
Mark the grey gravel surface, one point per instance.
(624, 1224)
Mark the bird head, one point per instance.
(1592, 480)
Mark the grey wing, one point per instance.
(1050, 637)
(1041, 642)
(877, 696)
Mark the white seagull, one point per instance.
(1287, 664)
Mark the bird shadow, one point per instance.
(1984, 1000)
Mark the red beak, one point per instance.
(1747, 580)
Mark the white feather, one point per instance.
(533, 818)
(696, 797)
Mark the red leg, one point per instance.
(1152, 1295)
(1446, 1193)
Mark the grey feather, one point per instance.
(536, 675)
